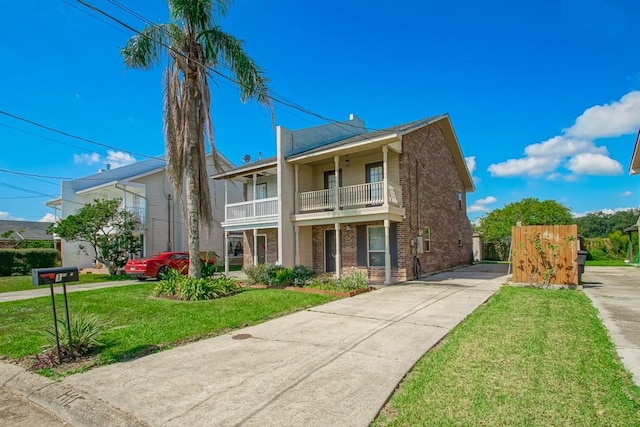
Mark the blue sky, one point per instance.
(544, 95)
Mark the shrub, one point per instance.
(282, 277)
(302, 274)
(348, 283)
(7, 261)
(86, 331)
(191, 289)
(256, 273)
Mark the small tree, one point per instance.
(106, 227)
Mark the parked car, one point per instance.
(158, 265)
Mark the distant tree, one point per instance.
(107, 229)
(496, 225)
(600, 224)
(195, 47)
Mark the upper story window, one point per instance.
(460, 200)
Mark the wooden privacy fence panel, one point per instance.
(545, 254)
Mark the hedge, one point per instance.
(22, 261)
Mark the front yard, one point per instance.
(527, 357)
(139, 323)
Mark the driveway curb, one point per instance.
(71, 405)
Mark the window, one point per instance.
(460, 200)
(459, 238)
(261, 191)
(376, 246)
(426, 239)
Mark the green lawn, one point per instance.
(139, 322)
(607, 263)
(528, 357)
(21, 283)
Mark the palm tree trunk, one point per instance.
(191, 161)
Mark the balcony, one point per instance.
(140, 213)
(252, 211)
(350, 197)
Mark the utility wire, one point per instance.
(208, 68)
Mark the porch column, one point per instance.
(385, 175)
(297, 231)
(336, 163)
(338, 262)
(296, 206)
(226, 247)
(253, 205)
(387, 254)
(226, 199)
(255, 246)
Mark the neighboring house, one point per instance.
(634, 169)
(144, 189)
(12, 233)
(390, 204)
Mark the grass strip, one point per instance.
(528, 357)
(140, 323)
(23, 283)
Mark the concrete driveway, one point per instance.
(334, 364)
(615, 292)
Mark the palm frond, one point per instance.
(144, 50)
(221, 46)
(198, 14)
(174, 128)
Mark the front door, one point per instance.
(262, 248)
(330, 251)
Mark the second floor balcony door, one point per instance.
(330, 184)
(375, 173)
(261, 191)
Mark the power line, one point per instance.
(69, 135)
(208, 68)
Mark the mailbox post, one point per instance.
(53, 276)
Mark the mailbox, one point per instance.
(51, 276)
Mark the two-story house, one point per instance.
(144, 189)
(388, 203)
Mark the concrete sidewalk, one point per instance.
(615, 292)
(43, 291)
(334, 364)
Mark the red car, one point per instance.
(158, 265)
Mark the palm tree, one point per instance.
(195, 47)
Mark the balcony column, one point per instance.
(226, 250)
(226, 199)
(336, 162)
(338, 260)
(387, 253)
(296, 201)
(255, 247)
(297, 256)
(255, 193)
(385, 175)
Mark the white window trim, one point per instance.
(369, 251)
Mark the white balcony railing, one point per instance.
(253, 209)
(352, 196)
(140, 213)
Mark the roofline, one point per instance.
(299, 158)
(241, 170)
(634, 167)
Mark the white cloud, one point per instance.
(594, 164)
(574, 148)
(608, 120)
(471, 163)
(480, 205)
(532, 166)
(4, 215)
(86, 158)
(119, 158)
(626, 193)
(48, 218)
(606, 211)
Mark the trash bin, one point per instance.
(582, 260)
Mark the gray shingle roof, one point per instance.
(403, 128)
(29, 230)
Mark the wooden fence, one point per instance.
(545, 254)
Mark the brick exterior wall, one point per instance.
(349, 254)
(272, 246)
(430, 185)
